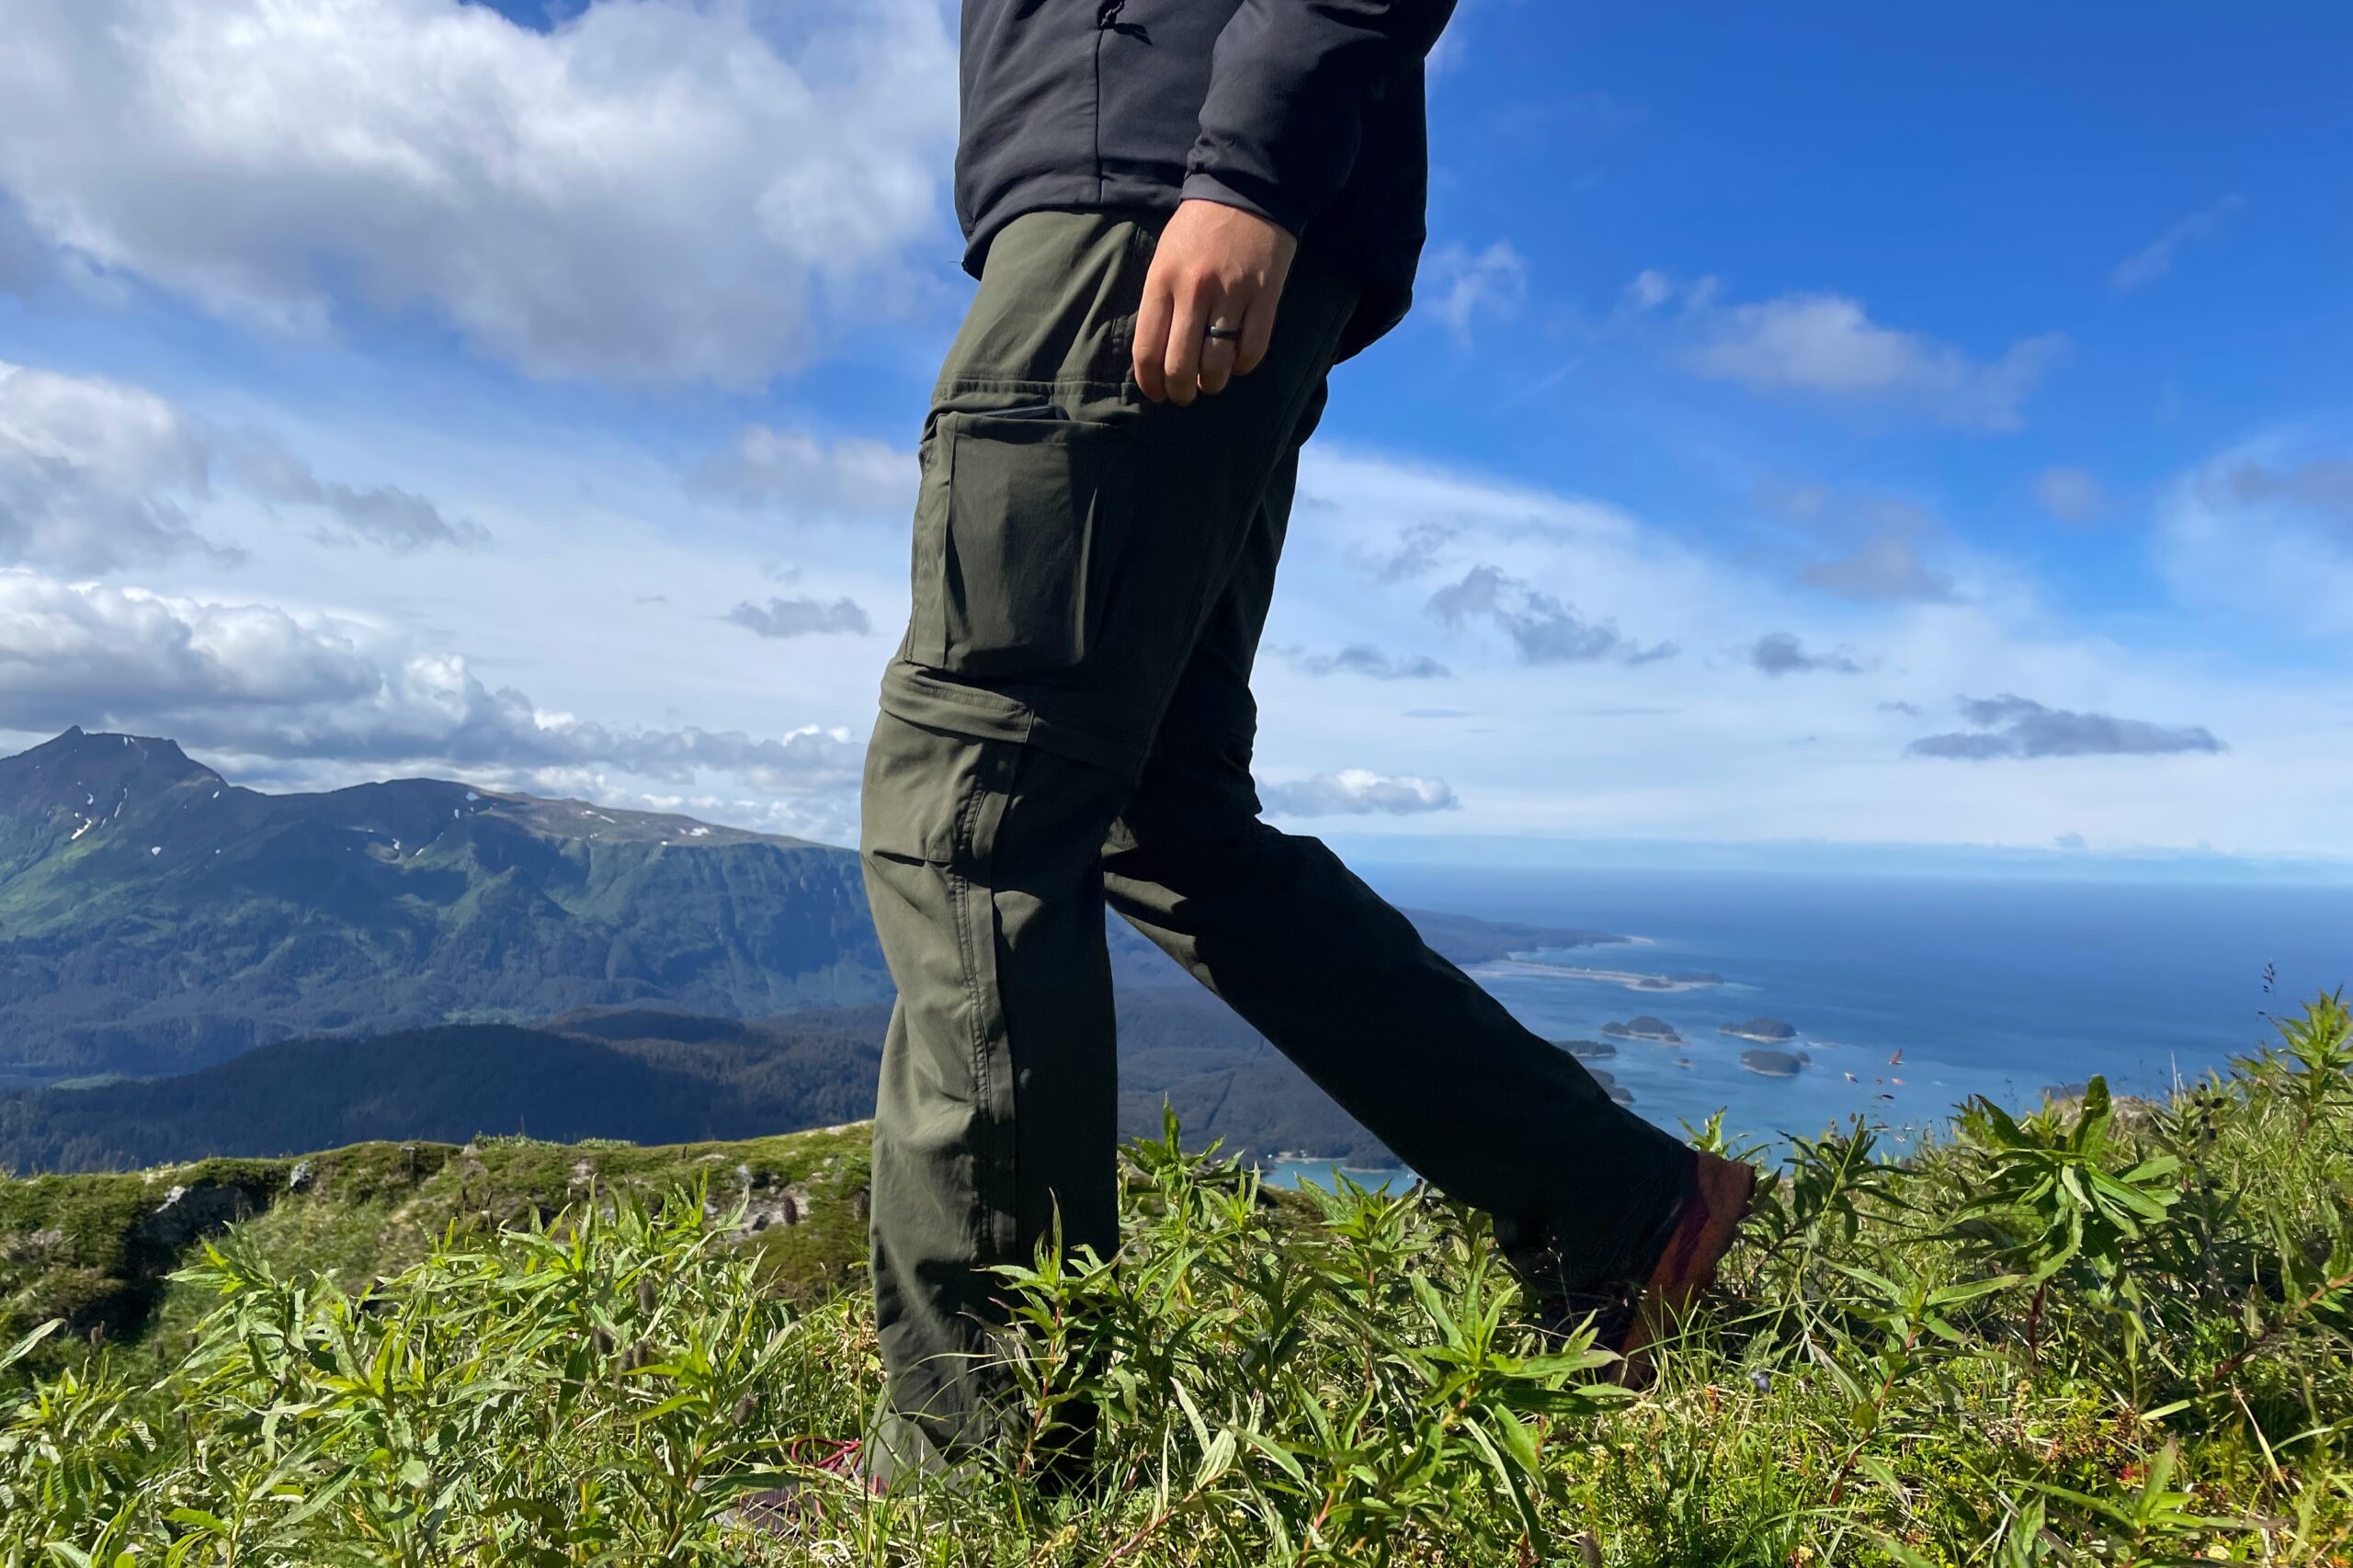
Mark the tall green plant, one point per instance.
(2064, 1200)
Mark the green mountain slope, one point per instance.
(99, 1252)
(646, 1075)
(155, 917)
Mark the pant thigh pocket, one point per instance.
(1015, 526)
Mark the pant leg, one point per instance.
(1344, 986)
(1070, 541)
(996, 1116)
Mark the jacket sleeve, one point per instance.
(1289, 85)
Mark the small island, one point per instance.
(1766, 1031)
(1643, 1028)
(1587, 1049)
(1775, 1063)
(1608, 1082)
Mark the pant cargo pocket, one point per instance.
(1014, 529)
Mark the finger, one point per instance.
(1151, 336)
(1184, 358)
(1217, 354)
(1257, 331)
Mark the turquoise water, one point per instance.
(1323, 1174)
(1984, 987)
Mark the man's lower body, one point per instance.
(1068, 725)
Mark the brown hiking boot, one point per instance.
(1703, 1232)
(789, 1511)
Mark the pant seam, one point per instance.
(959, 888)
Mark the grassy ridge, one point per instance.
(96, 1254)
(2108, 1333)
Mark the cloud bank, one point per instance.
(257, 680)
(96, 475)
(1829, 346)
(1357, 791)
(2010, 726)
(1781, 653)
(802, 617)
(652, 190)
(1544, 629)
(1364, 659)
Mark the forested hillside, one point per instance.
(644, 1074)
(155, 917)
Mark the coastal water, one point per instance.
(1908, 994)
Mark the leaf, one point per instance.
(24, 1347)
(1215, 1460)
(1282, 1458)
(1515, 1488)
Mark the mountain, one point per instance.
(642, 1074)
(383, 962)
(648, 1077)
(155, 917)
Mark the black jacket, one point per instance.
(1306, 112)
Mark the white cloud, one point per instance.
(852, 476)
(2070, 494)
(2265, 530)
(1780, 654)
(1649, 290)
(1701, 748)
(1889, 567)
(385, 515)
(2019, 727)
(1543, 630)
(1462, 287)
(652, 190)
(1357, 791)
(1365, 659)
(1827, 345)
(259, 680)
(801, 617)
(2155, 259)
(94, 474)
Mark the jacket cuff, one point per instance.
(1251, 196)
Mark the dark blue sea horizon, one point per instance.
(1985, 986)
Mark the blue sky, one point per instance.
(1873, 427)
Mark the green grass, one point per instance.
(2107, 1332)
(97, 1253)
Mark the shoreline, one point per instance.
(1627, 978)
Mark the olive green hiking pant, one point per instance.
(1068, 724)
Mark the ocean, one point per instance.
(1908, 994)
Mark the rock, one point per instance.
(35, 1246)
(1589, 1050)
(1775, 1063)
(1769, 1030)
(188, 1213)
(787, 1206)
(1618, 1092)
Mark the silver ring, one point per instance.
(1224, 334)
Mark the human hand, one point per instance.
(1216, 267)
